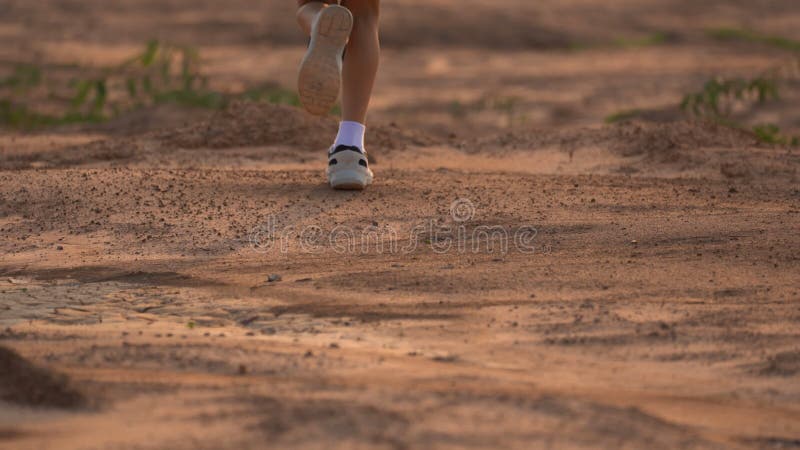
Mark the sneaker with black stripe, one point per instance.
(348, 168)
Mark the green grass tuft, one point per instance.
(623, 116)
(160, 74)
(271, 93)
(20, 116)
(657, 38)
(717, 93)
(771, 134)
(746, 35)
(715, 102)
(25, 77)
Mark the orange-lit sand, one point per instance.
(659, 308)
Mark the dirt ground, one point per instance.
(521, 275)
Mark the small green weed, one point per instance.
(508, 106)
(20, 116)
(25, 77)
(458, 110)
(745, 35)
(623, 115)
(715, 100)
(718, 94)
(160, 74)
(771, 134)
(272, 94)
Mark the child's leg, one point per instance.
(352, 26)
(349, 169)
(307, 11)
(363, 51)
(361, 62)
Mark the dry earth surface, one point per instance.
(184, 279)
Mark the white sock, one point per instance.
(350, 133)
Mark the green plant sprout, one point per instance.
(622, 115)
(745, 35)
(160, 74)
(24, 78)
(718, 95)
(771, 134)
(509, 107)
(715, 99)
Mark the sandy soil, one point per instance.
(522, 277)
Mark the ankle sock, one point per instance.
(350, 133)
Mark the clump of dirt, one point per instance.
(242, 124)
(23, 383)
(251, 124)
(783, 364)
(147, 119)
(297, 421)
(660, 141)
(393, 137)
(96, 152)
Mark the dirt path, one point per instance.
(520, 275)
(645, 311)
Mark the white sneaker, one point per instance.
(320, 75)
(348, 168)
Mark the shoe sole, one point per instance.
(320, 76)
(349, 180)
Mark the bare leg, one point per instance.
(361, 60)
(353, 27)
(307, 11)
(363, 52)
